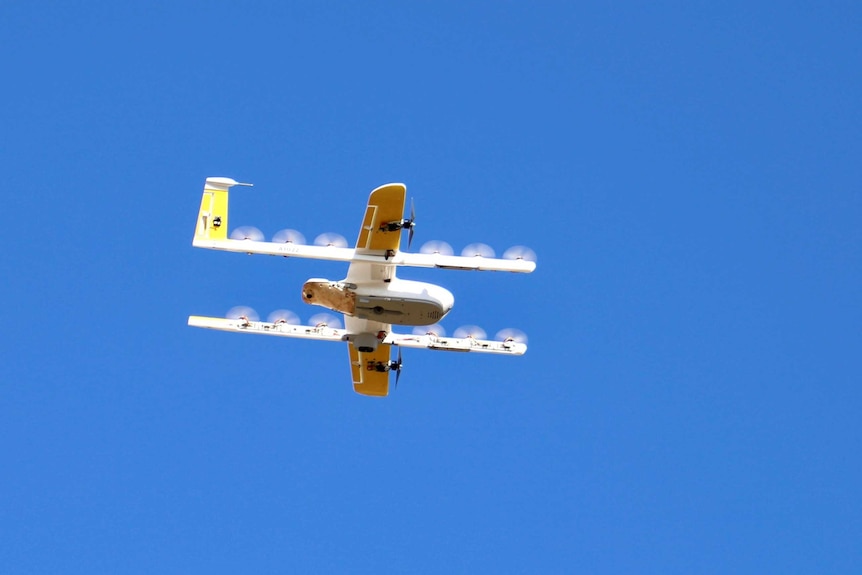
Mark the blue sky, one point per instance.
(688, 174)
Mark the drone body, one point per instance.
(371, 297)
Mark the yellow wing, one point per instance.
(385, 205)
(366, 379)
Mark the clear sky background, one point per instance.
(688, 173)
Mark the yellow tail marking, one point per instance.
(212, 218)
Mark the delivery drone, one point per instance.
(371, 297)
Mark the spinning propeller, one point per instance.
(520, 253)
(283, 316)
(247, 233)
(288, 237)
(436, 247)
(330, 239)
(410, 223)
(470, 331)
(396, 365)
(324, 320)
(435, 329)
(478, 250)
(512, 334)
(242, 312)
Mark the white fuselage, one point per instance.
(396, 301)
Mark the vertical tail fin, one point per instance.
(212, 217)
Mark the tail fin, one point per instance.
(212, 218)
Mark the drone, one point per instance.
(371, 297)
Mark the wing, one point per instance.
(266, 328)
(431, 341)
(377, 248)
(367, 380)
(477, 263)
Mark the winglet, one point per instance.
(212, 217)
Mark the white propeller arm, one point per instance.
(456, 344)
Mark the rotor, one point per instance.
(470, 331)
(436, 330)
(331, 240)
(520, 253)
(511, 334)
(283, 316)
(324, 320)
(396, 365)
(247, 233)
(410, 223)
(288, 237)
(478, 250)
(242, 312)
(436, 247)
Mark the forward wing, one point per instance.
(367, 379)
(377, 244)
